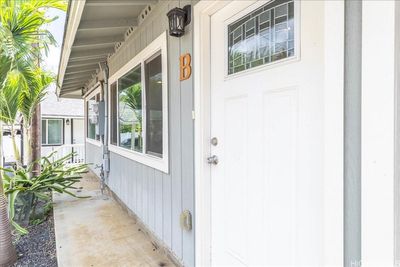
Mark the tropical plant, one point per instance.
(29, 99)
(56, 176)
(132, 97)
(18, 102)
(22, 40)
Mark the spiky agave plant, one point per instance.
(57, 175)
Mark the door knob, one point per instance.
(212, 160)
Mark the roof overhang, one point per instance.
(92, 30)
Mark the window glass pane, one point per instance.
(130, 110)
(263, 36)
(92, 117)
(154, 116)
(44, 131)
(113, 108)
(55, 132)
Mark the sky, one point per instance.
(57, 29)
(51, 63)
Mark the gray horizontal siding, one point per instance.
(158, 198)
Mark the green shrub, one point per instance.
(58, 175)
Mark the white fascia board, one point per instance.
(74, 18)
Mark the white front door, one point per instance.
(267, 119)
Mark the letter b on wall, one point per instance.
(185, 67)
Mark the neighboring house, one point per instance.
(62, 129)
(62, 126)
(7, 146)
(239, 142)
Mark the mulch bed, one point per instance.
(38, 248)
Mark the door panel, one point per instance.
(266, 187)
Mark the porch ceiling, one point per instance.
(93, 27)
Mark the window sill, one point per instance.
(50, 145)
(148, 160)
(94, 142)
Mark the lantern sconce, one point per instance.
(179, 18)
(67, 122)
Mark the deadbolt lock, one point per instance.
(214, 141)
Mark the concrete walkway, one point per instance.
(96, 231)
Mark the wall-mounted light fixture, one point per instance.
(67, 121)
(179, 18)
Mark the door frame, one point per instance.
(333, 130)
(396, 192)
(202, 110)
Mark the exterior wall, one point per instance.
(93, 157)
(8, 151)
(78, 130)
(158, 198)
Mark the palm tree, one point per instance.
(22, 40)
(19, 99)
(132, 97)
(30, 98)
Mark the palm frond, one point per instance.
(34, 93)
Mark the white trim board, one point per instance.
(96, 90)
(397, 138)
(378, 134)
(74, 18)
(201, 62)
(333, 133)
(63, 117)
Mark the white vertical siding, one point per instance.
(94, 157)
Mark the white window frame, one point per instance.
(47, 131)
(93, 93)
(159, 45)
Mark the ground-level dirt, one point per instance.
(38, 248)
